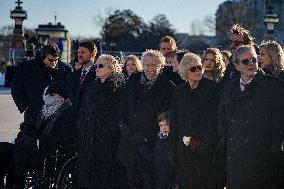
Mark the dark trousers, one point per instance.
(141, 176)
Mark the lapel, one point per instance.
(90, 76)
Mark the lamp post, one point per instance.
(270, 19)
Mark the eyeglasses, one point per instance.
(195, 68)
(51, 60)
(100, 65)
(237, 43)
(247, 61)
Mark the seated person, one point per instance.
(51, 126)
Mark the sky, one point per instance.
(80, 17)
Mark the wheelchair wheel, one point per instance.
(67, 178)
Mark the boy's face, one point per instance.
(164, 127)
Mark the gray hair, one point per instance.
(157, 57)
(186, 63)
(241, 50)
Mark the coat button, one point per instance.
(231, 139)
(134, 115)
(247, 121)
(229, 157)
(87, 118)
(232, 120)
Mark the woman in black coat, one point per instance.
(98, 134)
(194, 122)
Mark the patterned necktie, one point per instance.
(83, 76)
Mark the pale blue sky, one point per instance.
(78, 15)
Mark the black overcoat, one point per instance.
(194, 115)
(98, 134)
(250, 129)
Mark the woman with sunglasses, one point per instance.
(214, 65)
(98, 134)
(271, 59)
(194, 113)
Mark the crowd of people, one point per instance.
(170, 119)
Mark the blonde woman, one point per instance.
(131, 65)
(271, 59)
(213, 64)
(98, 134)
(194, 119)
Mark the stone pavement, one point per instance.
(10, 117)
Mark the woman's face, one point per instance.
(264, 59)
(131, 67)
(194, 72)
(209, 62)
(103, 70)
(175, 64)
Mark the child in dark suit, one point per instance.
(165, 170)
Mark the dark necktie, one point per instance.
(83, 75)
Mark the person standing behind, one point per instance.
(131, 65)
(167, 44)
(214, 65)
(250, 129)
(271, 59)
(35, 75)
(165, 169)
(82, 78)
(238, 36)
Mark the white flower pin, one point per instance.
(186, 140)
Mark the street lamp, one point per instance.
(19, 15)
(270, 19)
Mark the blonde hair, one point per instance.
(112, 63)
(186, 63)
(136, 61)
(155, 55)
(218, 72)
(275, 51)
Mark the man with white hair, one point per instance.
(251, 125)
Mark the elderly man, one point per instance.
(147, 95)
(250, 125)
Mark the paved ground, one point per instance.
(10, 118)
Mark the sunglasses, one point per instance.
(100, 65)
(51, 60)
(247, 61)
(195, 68)
(237, 43)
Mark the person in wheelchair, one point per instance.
(51, 126)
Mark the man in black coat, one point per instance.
(82, 78)
(27, 90)
(147, 95)
(251, 125)
(35, 75)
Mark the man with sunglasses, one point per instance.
(31, 80)
(35, 75)
(251, 114)
(238, 36)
